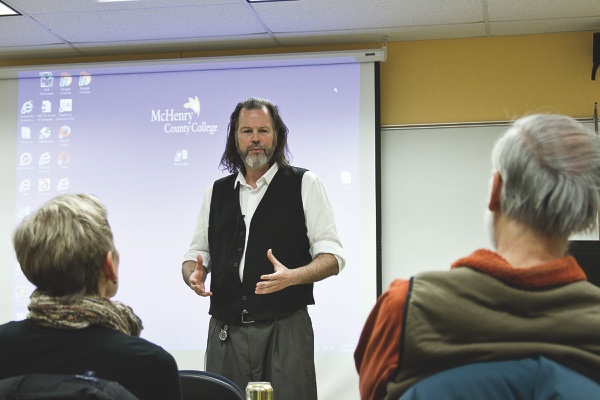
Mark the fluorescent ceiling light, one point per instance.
(113, 1)
(6, 10)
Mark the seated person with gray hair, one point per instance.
(66, 250)
(528, 303)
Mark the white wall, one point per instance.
(8, 140)
(434, 194)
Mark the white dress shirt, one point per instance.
(320, 220)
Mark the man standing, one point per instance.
(525, 299)
(266, 233)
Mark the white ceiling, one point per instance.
(70, 28)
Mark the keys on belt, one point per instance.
(223, 334)
(247, 318)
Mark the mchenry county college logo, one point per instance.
(185, 120)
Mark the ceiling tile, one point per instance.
(506, 10)
(319, 15)
(75, 6)
(148, 24)
(23, 31)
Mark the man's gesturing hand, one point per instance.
(197, 279)
(280, 279)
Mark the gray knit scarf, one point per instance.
(90, 310)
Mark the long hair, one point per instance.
(550, 167)
(231, 160)
(62, 246)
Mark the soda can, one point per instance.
(259, 391)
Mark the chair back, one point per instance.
(199, 385)
(62, 387)
(530, 378)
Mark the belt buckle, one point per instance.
(247, 318)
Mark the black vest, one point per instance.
(277, 224)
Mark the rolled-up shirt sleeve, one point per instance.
(320, 220)
(199, 244)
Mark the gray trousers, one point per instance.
(280, 351)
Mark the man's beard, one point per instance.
(258, 160)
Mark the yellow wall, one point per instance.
(463, 80)
(488, 79)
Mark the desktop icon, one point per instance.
(63, 185)
(21, 292)
(84, 78)
(66, 105)
(65, 79)
(346, 178)
(24, 211)
(43, 184)
(46, 106)
(25, 185)
(44, 159)
(25, 133)
(27, 107)
(181, 155)
(46, 79)
(64, 132)
(45, 133)
(64, 157)
(25, 159)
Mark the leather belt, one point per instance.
(247, 318)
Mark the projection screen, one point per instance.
(147, 139)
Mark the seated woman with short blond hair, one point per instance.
(66, 250)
